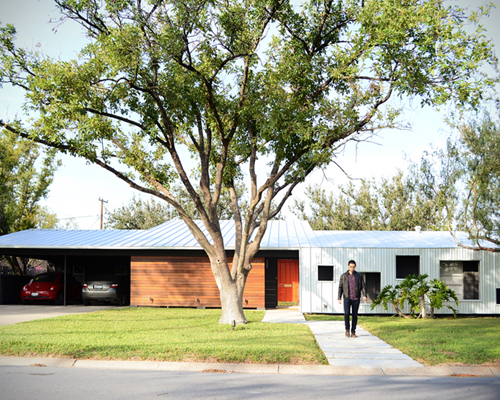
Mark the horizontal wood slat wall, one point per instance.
(180, 281)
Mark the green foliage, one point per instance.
(478, 154)
(438, 294)
(414, 290)
(139, 214)
(397, 204)
(466, 180)
(25, 176)
(391, 295)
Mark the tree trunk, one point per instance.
(400, 313)
(232, 304)
(422, 307)
(230, 290)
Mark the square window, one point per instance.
(407, 265)
(462, 277)
(325, 272)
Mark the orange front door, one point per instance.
(288, 280)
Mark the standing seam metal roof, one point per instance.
(175, 234)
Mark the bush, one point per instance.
(414, 290)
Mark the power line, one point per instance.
(84, 216)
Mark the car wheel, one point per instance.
(59, 300)
(86, 303)
(25, 301)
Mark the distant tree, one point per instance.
(46, 218)
(465, 176)
(472, 167)
(26, 173)
(273, 86)
(139, 214)
(399, 203)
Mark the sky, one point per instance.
(78, 186)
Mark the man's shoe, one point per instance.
(347, 334)
(353, 334)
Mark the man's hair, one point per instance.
(351, 262)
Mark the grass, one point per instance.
(436, 341)
(164, 334)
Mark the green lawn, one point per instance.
(436, 341)
(166, 334)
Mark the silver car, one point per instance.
(107, 289)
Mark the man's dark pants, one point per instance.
(348, 305)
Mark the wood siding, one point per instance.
(179, 281)
(321, 297)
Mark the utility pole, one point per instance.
(102, 209)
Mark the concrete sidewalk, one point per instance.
(466, 371)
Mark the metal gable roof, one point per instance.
(174, 234)
(391, 239)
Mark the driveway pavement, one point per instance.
(12, 314)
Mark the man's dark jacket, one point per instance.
(344, 285)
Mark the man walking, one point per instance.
(351, 285)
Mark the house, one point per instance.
(295, 264)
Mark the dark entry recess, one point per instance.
(271, 277)
(372, 280)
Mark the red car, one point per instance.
(50, 287)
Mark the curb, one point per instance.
(286, 369)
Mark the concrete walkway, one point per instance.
(366, 351)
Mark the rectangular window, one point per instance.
(325, 272)
(498, 295)
(372, 281)
(462, 277)
(407, 265)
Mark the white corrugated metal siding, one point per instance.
(321, 297)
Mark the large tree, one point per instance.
(25, 175)
(272, 86)
(467, 174)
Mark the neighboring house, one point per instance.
(295, 264)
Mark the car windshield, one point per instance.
(45, 278)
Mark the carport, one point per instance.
(72, 252)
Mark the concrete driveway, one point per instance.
(12, 314)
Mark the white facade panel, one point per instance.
(322, 296)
